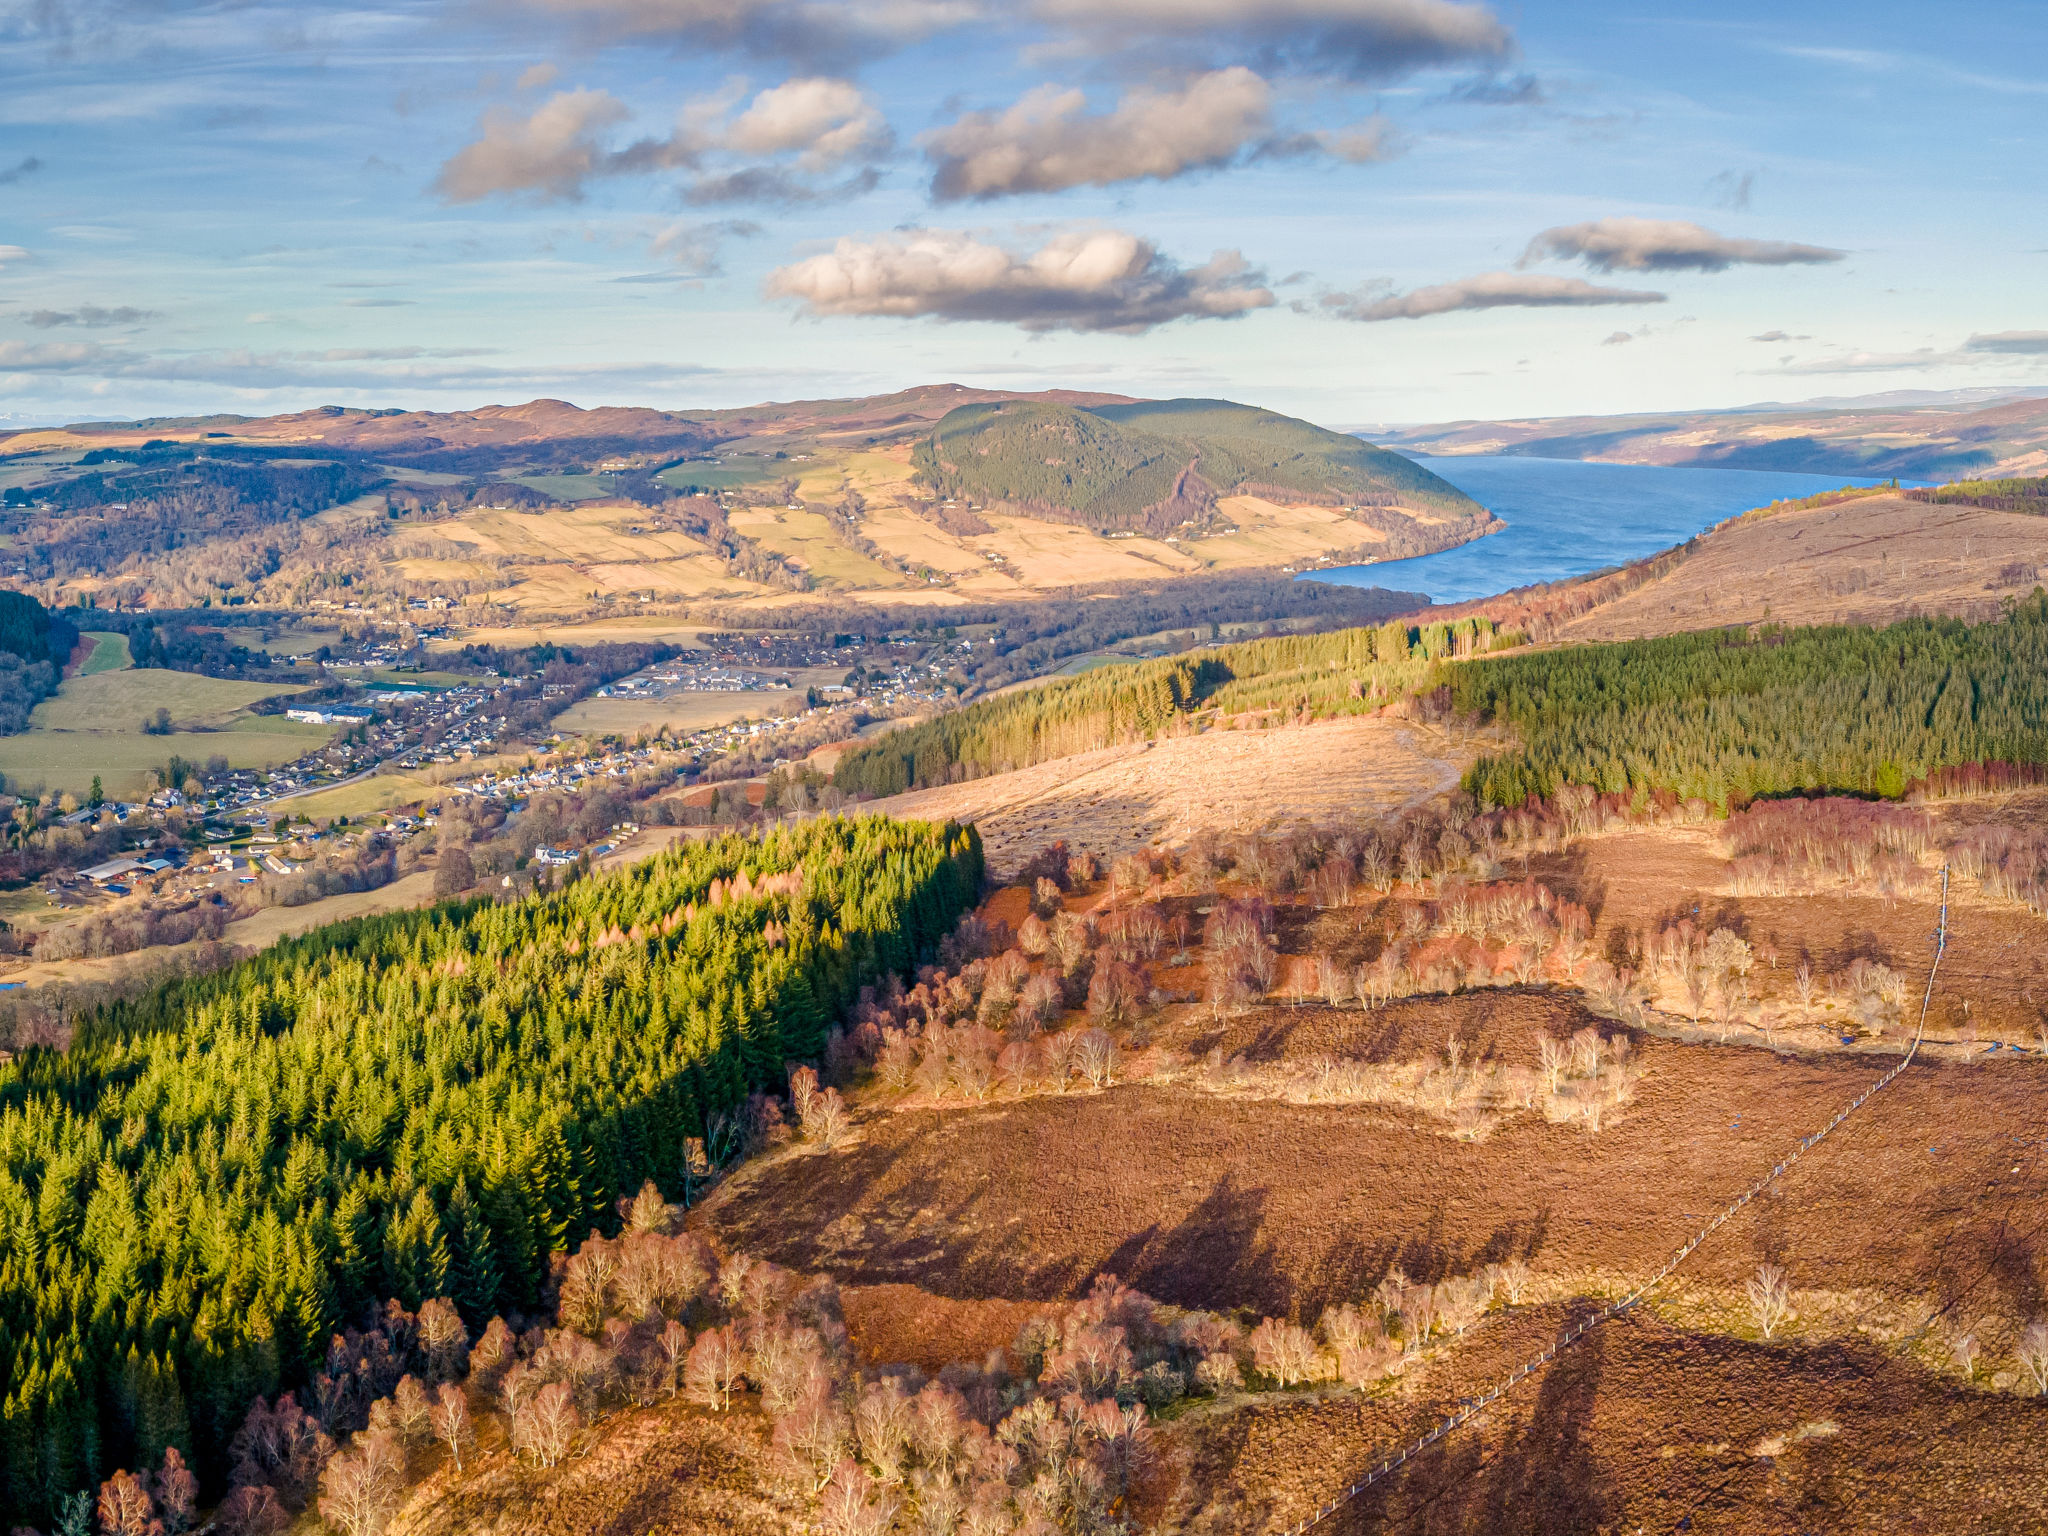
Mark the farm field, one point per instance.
(559, 558)
(93, 726)
(681, 711)
(1123, 798)
(1869, 561)
(109, 654)
(122, 760)
(111, 698)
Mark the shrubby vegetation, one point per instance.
(1299, 676)
(1728, 717)
(220, 1172)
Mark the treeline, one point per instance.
(1036, 635)
(1734, 716)
(34, 644)
(220, 1173)
(2028, 495)
(204, 642)
(1302, 676)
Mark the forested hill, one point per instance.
(1158, 466)
(1726, 717)
(1732, 716)
(34, 645)
(1348, 671)
(217, 1177)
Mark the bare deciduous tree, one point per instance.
(1332, 980)
(1512, 1277)
(452, 1426)
(881, 1421)
(1096, 1055)
(1288, 1353)
(125, 1507)
(360, 1490)
(2032, 1354)
(715, 1365)
(444, 1339)
(803, 1090)
(1963, 1348)
(853, 1503)
(546, 1427)
(1770, 1298)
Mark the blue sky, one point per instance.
(1356, 210)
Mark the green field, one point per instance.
(1090, 662)
(59, 760)
(121, 701)
(109, 653)
(567, 487)
(734, 472)
(380, 792)
(93, 727)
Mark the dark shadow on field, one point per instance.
(1542, 1478)
(1216, 1251)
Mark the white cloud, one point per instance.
(1049, 141)
(807, 30)
(1360, 39)
(12, 253)
(549, 155)
(1665, 245)
(1871, 362)
(555, 152)
(1363, 143)
(2020, 343)
(823, 122)
(1095, 280)
(89, 315)
(1489, 290)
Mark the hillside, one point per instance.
(1163, 467)
(1916, 440)
(547, 510)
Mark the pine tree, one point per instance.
(416, 1253)
(472, 1260)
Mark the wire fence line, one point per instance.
(1471, 1408)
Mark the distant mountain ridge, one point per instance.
(1926, 441)
(1155, 467)
(544, 434)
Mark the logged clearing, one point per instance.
(1123, 798)
(1870, 561)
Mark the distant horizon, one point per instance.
(1903, 399)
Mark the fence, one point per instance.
(1473, 1407)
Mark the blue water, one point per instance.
(1565, 518)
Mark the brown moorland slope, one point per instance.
(1873, 560)
(1216, 1176)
